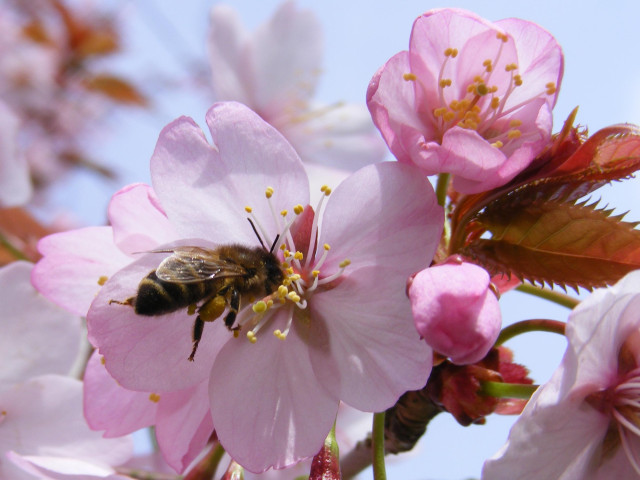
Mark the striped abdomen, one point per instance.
(157, 297)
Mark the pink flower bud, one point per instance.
(455, 310)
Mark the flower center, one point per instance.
(626, 413)
(480, 105)
(622, 404)
(303, 271)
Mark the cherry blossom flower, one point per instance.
(274, 71)
(455, 310)
(342, 330)
(583, 423)
(43, 433)
(470, 97)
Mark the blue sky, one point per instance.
(602, 76)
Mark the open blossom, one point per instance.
(470, 97)
(43, 433)
(275, 71)
(339, 328)
(583, 423)
(455, 310)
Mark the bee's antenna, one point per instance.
(257, 234)
(275, 241)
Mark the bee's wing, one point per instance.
(195, 264)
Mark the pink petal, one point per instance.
(282, 415)
(111, 408)
(287, 56)
(375, 350)
(43, 416)
(59, 468)
(37, 337)
(540, 59)
(138, 221)
(228, 55)
(190, 176)
(340, 136)
(391, 102)
(72, 265)
(384, 214)
(184, 425)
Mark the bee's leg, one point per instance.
(198, 327)
(208, 312)
(131, 301)
(234, 304)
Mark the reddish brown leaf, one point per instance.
(557, 243)
(116, 89)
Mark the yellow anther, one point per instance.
(279, 335)
(514, 134)
(282, 291)
(154, 397)
(497, 144)
(252, 337)
(515, 123)
(451, 52)
(449, 116)
(236, 333)
(487, 62)
(191, 309)
(488, 65)
(510, 67)
(259, 307)
(471, 88)
(289, 271)
(502, 36)
(445, 82)
(327, 192)
(283, 247)
(298, 255)
(517, 80)
(298, 209)
(315, 273)
(284, 213)
(286, 253)
(248, 209)
(285, 265)
(493, 89)
(326, 246)
(345, 263)
(495, 102)
(323, 188)
(269, 303)
(551, 88)
(409, 77)
(481, 89)
(295, 277)
(102, 280)
(102, 360)
(268, 192)
(293, 296)
(438, 112)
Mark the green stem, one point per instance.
(533, 325)
(507, 390)
(441, 188)
(11, 249)
(551, 295)
(377, 435)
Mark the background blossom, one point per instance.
(470, 97)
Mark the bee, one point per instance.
(217, 277)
